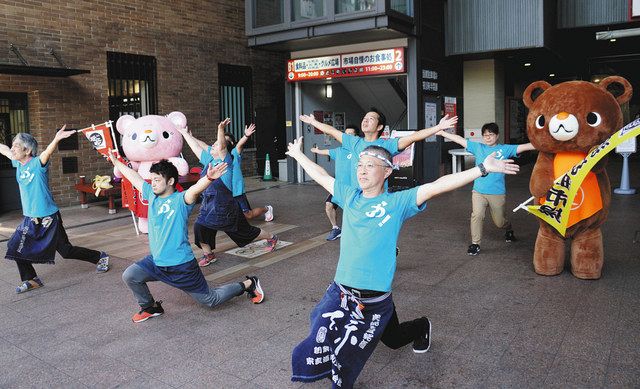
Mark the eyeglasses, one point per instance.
(489, 135)
(368, 166)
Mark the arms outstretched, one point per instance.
(248, 131)
(190, 196)
(525, 147)
(6, 151)
(316, 150)
(136, 180)
(222, 141)
(316, 172)
(213, 173)
(454, 181)
(445, 122)
(60, 135)
(197, 146)
(453, 137)
(327, 129)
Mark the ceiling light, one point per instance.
(552, 74)
(527, 64)
(328, 90)
(612, 40)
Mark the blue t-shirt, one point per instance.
(35, 195)
(493, 184)
(237, 179)
(206, 159)
(343, 159)
(356, 145)
(370, 228)
(168, 235)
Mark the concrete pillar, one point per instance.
(483, 93)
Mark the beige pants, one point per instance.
(479, 204)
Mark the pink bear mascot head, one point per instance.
(152, 137)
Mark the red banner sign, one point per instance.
(366, 63)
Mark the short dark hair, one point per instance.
(380, 151)
(355, 127)
(231, 143)
(166, 169)
(490, 127)
(381, 118)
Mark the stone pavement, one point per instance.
(495, 323)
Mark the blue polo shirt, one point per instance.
(35, 195)
(370, 229)
(492, 184)
(168, 234)
(355, 145)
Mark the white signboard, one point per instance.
(635, 8)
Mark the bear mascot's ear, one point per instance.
(619, 87)
(178, 119)
(123, 122)
(533, 91)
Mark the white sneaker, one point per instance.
(269, 215)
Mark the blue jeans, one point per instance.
(136, 279)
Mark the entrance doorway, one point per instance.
(344, 102)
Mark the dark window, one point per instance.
(132, 85)
(13, 119)
(235, 98)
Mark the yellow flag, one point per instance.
(557, 205)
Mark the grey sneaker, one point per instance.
(103, 264)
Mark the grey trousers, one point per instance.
(136, 279)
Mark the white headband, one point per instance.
(380, 157)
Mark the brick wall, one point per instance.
(188, 38)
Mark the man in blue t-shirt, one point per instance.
(372, 125)
(488, 191)
(357, 309)
(342, 158)
(172, 260)
(41, 232)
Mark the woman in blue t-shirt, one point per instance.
(41, 232)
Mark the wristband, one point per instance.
(210, 179)
(483, 170)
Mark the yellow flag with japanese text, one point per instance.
(556, 208)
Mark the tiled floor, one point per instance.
(495, 322)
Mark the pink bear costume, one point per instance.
(149, 139)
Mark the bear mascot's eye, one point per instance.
(165, 135)
(594, 119)
(134, 136)
(540, 122)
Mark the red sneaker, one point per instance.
(207, 260)
(255, 292)
(148, 313)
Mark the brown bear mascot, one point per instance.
(565, 121)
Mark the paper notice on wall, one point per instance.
(430, 118)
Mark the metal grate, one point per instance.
(13, 119)
(235, 98)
